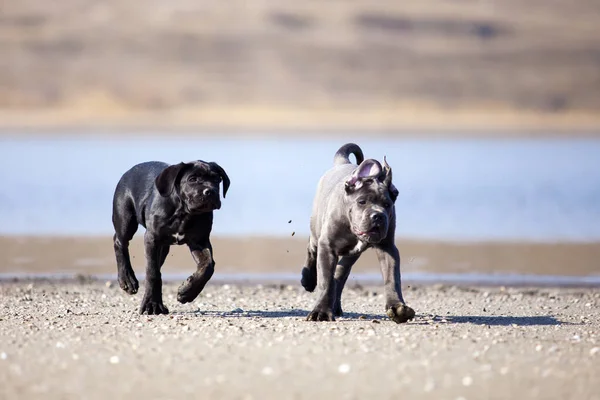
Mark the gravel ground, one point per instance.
(73, 340)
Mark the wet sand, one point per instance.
(69, 340)
(94, 255)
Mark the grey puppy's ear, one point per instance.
(367, 169)
(386, 178)
(165, 182)
(218, 169)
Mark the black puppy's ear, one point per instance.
(165, 182)
(367, 169)
(226, 182)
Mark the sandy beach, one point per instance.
(72, 340)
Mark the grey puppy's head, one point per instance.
(371, 196)
(195, 183)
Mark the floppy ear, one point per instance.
(165, 182)
(367, 169)
(223, 174)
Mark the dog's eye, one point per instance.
(192, 179)
(387, 205)
(362, 202)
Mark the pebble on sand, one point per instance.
(344, 368)
(114, 360)
(429, 385)
(3, 356)
(267, 371)
(467, 381)
(593, 351)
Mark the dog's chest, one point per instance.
(358, 248)
(177, 229)
(178, 237)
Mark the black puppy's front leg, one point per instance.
(152, 302)
(326, 261)
(389, 260)
(205, 267)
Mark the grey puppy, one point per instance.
(353, 210)
(175, 204)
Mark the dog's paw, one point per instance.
(128, 282)
(320, 315)
(400, 313)
(153, 307)
(309, 279)
(188, 291)
(193, 285)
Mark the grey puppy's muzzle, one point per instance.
(376, 229)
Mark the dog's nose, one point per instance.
(377, 218)
(208, 192)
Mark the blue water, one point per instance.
(538, 190)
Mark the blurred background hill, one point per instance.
(311, 64)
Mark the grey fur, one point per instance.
(353, 210)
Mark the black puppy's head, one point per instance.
(196, 183)
(371, 196)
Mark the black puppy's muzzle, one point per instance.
(211, 198)
(204, 200)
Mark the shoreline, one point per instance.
(94, 255)
(355, 279)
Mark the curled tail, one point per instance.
(343, 154)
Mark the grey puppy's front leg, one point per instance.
(326, 261)
(342, 271)
(152, 302)
(205, 267)
(389, 260)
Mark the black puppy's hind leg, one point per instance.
(309, 272)
(125, 225)
(152, 302)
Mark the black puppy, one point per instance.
(175, 204)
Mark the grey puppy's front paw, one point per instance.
(400, 313)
